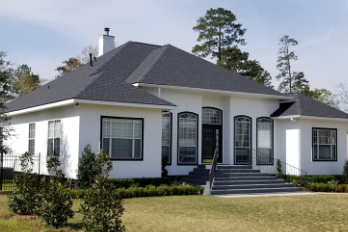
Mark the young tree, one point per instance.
(84, 56)
(325, 96)
(86, 171)
(286, 75)
(26, 199)
(57, 201)
(102, 208)
(217, 30)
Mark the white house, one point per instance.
(141, 102)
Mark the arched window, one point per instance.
(264, 142)
(187, 138)
(242, 140)
(211, 116)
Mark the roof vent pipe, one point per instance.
(90, 60)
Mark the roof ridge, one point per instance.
(110, 58)
(155, 61)
(155, 45)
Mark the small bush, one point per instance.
(345, 173)
(279, 169)
(321, 187)
(143, 182)
(148, 191)
(102, 208)
(25, 199)
(86, 172)
(57, 200)
(304, 180)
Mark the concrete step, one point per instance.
(237, 171)
(247, 182)
(256, 190)
(255, 177)
(232, 174)
(201, 170)
(251, 186)
(234, 167)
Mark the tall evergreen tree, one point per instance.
(287, 76)
(237, 61)
(217, 30)
(69, 65)
(25, 80)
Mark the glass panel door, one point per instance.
(242, 140)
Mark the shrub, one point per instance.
(345, 173)
(57, 200)
(102, 208)
(321, 187)
(149, 191)
(143, 182)
(164, 165)
(304, 180)
(25, 199)
(86, 172)
(279, 169)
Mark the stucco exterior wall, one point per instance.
(70, 123)
(322, 167)
(150, 166)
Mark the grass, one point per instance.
(205, 213)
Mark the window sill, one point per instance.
(324, 160)
(114, 159)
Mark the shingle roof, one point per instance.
(112, 77)
(172, 66)
(104, 81)
(305, 106)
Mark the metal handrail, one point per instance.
(271, 166)
(213, 168)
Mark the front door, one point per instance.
(211, 140)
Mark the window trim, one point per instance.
(142, 137)
(222, 116)
(177, 142)
(32, 138)
(234, 139)
(323, 160)
(171, 140)
(257, 142)
(54, 137)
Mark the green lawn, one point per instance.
(205, 213)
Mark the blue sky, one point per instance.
(43, 33)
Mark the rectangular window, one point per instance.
(122, 138)
(167, 137)
(54, 136)
(324, 144)
(31, 144)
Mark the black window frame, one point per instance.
(171, 141)
(257, 142)
(324, 160)
(234, 139)
(178, 135)
(142, 137)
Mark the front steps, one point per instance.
(234, 179)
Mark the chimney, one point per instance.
(106, 42)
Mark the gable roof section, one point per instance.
(172, 66)
(104, 81)
(305, 106)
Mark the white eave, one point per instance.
(78, 102)
(255, 95)
(292, 117)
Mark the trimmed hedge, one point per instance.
(148, 191)
(321, 187)
(305, 180)
(143, 182)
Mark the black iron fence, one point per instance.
(10, 167)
